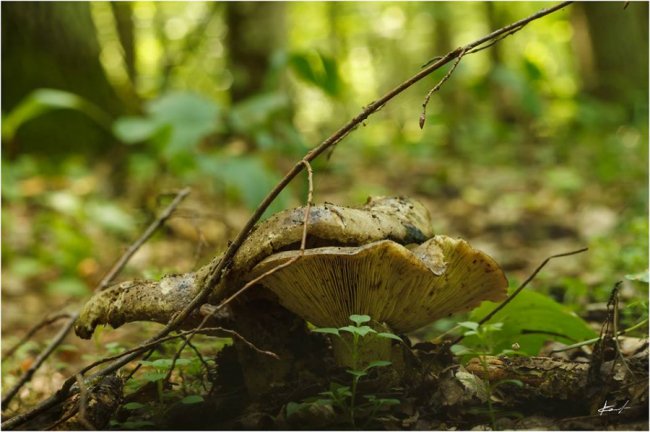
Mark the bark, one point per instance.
(255, 31)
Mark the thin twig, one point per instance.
(38, 362)
(151, 229)
(217, 273)
(83, 403)
(44, 323)
(643, 323)
(437, 87)
(201, 359)
(520, 288)
(74, 410)
(177, 355)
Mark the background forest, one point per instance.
(537, 145)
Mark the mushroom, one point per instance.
(400, 288)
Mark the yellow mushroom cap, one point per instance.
(403, 288)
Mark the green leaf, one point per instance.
(390, 336)
(293, 407)
(515, 382)
(44, 100)
(350, 329)
(360, 319)
(377, 363)
(132, 406)
(643, 276)
(131, 130)
(110, 216)
(461, 350)
(245, 178)
(531, 312)
(364, 330)
(318, 70)
(164, 363)
(154, 376)
(356, 373)
(192, 399)
(387, 402)
(327, 330)
(70, 286)
(469, 324)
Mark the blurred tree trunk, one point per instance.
(123, 13)
(255, 31)
(613, 63)
(54, 45)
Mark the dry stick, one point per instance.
(216, 275)
(38, 362)
(151, 229)
(112, 273)
(201, 359)
(83, 403)
(520, 288)
(44, 323)
(437, 87)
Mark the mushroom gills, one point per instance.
(405, 289)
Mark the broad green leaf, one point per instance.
(461, 350)
(360, 319)
(164, 363)
(528, 313)
(44, 100)
(378, 363)
(110, 216)
(327, 330)
(178, 122)
(350, 329)
(515, 382)
(245, 178)
(293, 407)
(154, 376)
(389, 336)
(317, 69)
(257, 113)
(643, 276)
(469, 324)
(132, 406)
(364, 330)
(131, 130)
(356, 373)
(192, 399)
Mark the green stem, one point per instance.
(355, 379)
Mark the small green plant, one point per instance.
(344, 397)
(484, 347)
